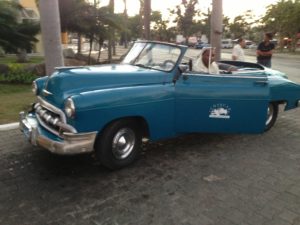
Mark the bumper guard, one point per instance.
(71, 143)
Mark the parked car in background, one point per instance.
(226, 43)
(252, 46)
(201, 45)
(153, 94)
(248, 43)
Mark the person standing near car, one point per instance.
(264, 51)
(238, 51)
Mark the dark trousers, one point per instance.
(265, 62)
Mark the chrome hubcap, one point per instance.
(270, 114)
(123, 143)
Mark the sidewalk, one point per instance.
(120, 51)
(9, 126)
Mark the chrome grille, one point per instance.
(52, 118)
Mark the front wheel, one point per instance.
(272, 113)
(119, 144)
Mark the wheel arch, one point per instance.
(139, 121)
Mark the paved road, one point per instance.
(201, 179)
(196, 179)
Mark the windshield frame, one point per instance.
(145, 44)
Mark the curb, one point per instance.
(9, 126)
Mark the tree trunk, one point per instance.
(22, 56)
(90, 50)
(79, 46)
(142, 33)
(113, 41)
(50, 26)
(147, 12)
(126, 24)
(216, 27)
(111, 31)
(99, 53)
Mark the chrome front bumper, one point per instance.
(69, 144)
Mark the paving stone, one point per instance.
(295, 189)
(289, 216)
(258, 182)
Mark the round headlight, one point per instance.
(34, 88)
(69, 108)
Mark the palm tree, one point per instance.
(147, 13)
(126, 24)
(16, 36)
(51, 34)
(111, 42)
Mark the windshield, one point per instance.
(153, 56)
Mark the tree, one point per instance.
(16, 36)
(226, 28)
(159, 26)
(74, 17)
(90, 20)
(242, 25)
(135, 27)
(185, 13)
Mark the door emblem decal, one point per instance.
(220, 111)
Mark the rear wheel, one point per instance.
(272, 113)
(119, 144)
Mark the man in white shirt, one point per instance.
(206, 62)
(238, 51)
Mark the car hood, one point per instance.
(71, 81)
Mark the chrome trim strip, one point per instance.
(64, 68)
(61, 124)
(52, 108)
(222, 76)
(64, 126)
(46, 126)
(47, 92)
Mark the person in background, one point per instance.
(238, 51)
(206, 62)
(264, 51)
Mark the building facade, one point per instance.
(31, 12)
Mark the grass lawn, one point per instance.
(13, 59)
(13, 99)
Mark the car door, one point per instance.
(221, 103)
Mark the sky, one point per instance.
(231, 8)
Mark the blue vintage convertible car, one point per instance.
(151, 95)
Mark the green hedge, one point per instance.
(17, 74)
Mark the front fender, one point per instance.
(287, 91)
(154, 103)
